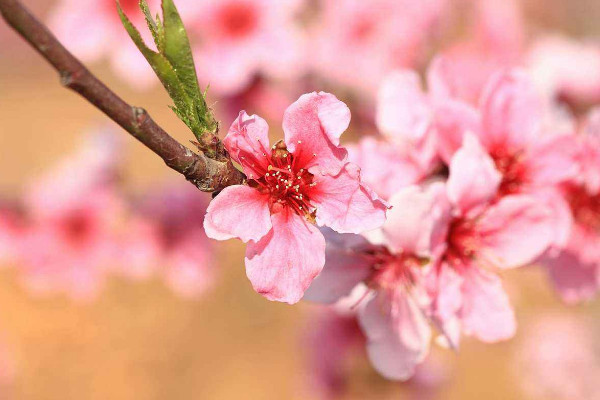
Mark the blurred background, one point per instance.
(171, 332)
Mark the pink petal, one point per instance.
(562, 217)
(82, 35)
(409, 224)
(282, 265)
(396, 340)
(313, 126)
(511, 111)
(574, 280)
(552, 161)
(344, 204)
(515, 231)
(447, 302)
(403, 110)
(344, 268)
(584, 241)
(225, 67)
(448, 296)
(453, 120)
(248, 144)
(238, 211)
(486, 312)
(387, 168)
(473, 179)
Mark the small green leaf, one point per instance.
(178, 50)
(161, 66)
(174, 66)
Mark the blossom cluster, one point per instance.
(482, 162)
(349, 43)
(76, 225)
(475, 189)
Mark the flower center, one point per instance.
(237, 19)
(585, 207)
(286, 185)
(393, 270)
(362, 30)
(77, 227)
(462, 241)
(511, 167)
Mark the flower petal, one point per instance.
(387, 168)
(282, 265)
(238, 211)
(486, 311)
(409, 223)
(403, 110)
(473, 179)
(552, 161)
(515, 231)
(344, 267)
(344, 204)
(573, 280)
(511, 111)
(396, 340)
(453, 120)
(248, 144)
(313, 126)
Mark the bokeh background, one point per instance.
(139, 340)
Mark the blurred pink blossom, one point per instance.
(566, 69)
(359, 42)
(92, 30)
(388, 167)
(72, 215)
(179, 248)
(394, 318)
(238, 39)
(304, 178)
(494, 42)
(333, 338)
(576, 271)
(337, 345)
(11, 231)
(481, 233)
(558, 358)
(532, 157)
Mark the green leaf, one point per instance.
(152, 25)
(178, 50)
(161, 66)
(174, 65)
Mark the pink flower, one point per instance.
(333, 339)
(336, 355)
(575, 272)
(11, 231)
(92, 30)
(422, 122)
(388, 167)
(185, 256)
(480, 233)
(358, 42)
(241, 38)
(558, 358)
(394, 319)
(494, 42)
(530, 157)
(73, 212)
(552, 62)
(304, 178)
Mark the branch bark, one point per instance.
(206, 174)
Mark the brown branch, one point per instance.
(207, 174)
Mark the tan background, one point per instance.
(139, 341)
